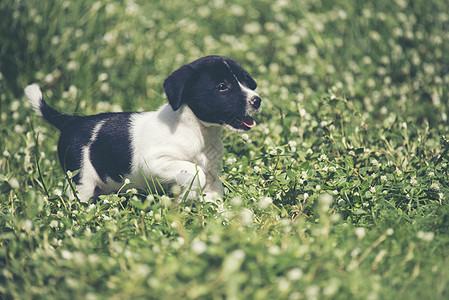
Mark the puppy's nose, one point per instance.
(255, 102)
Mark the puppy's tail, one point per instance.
(51, 115)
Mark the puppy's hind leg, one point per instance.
(81, 192)
(89, 178)
(85, 191)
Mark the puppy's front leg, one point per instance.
(185, 174)
(213, 189)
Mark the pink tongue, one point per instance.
(248, 122)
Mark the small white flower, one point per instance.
(93, 258)
(257, 169)
(274, 250)
(389, 231)
(360, 232)
(425, 236)
(54, 224)
(246, 216)
(431, 174)
(375, 162)
(435, 186)
(66, 254)
(322, 157)
(265, 202)
(294, 274)
(27, 225)
(14, 183)
(127, 181)
(236, 201)
(231, 160)
(372, 189)
(413, 180)
(102, 77)
(306, 196)
(198, 246)
(312, 292)
(252, 28)
(131, 191)
(58, 192)
(92, 206)
(72, 66)
(15, 105)
(341, 202)
(245, 136)
(309, 151)
(383, 178)
(325, 200)
(175, 224)
(166, 200)
(294, 129)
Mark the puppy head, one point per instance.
(217, 89)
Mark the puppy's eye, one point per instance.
(222, 87)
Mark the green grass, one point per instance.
(341, 191)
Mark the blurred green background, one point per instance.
(340, 191)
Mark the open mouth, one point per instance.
(247, 121)
(241, 124)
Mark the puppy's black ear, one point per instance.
(242, 75)
(249, 81)
(175, 85)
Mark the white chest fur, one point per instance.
(176, 148)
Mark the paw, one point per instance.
(216, 198)
(187, 178)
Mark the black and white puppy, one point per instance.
(179, 144)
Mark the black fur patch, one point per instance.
(110, 151)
